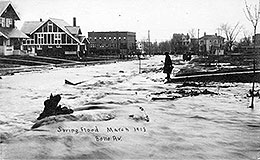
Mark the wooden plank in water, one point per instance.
(242, 76)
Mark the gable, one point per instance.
(49, 26)
(57, 25)
(9, 12)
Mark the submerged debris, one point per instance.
(191, 84)
(52, 108)
(182, 92)
(143, 117)
(165, 98)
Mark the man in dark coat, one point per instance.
(167, 66)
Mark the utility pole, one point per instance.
(149, 45)
(253, 16)
(253, 87)
(198, 41)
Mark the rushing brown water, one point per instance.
(109, 124)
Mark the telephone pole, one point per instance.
(198, 41)
(149, 43)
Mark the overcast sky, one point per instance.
(161, 17)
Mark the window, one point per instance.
(55, 29)
(28, 41)
(3, 22)
(40, 38)
(8, 42)
(50, 27)
(69, 39)
(57, 38)
(45, 28)
(9, 22)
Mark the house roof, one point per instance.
(29, 26)
(83, 38)
(211, 37)
(4, 5)
(73, 30)
(12, 33)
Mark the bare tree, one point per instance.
(192, 33)
(253, 14)
(230, 33)
(246, 40)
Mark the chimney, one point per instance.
(216, 34)
(74, 22)
(40, 20)
(205, 33)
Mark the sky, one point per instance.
(161, 17)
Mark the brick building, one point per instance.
(112, 43)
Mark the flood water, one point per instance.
(108, 123)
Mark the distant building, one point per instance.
(54, 37)
(180, 43)
(194, 45)
(256, 38)
(112, 43)
(10, 37)
(211, 43)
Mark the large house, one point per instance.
(211, 44)
(10, 37)
(54, 37)
(112, 43)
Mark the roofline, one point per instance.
(84, 39)
(212, 36)
(50, 19)
(4, 35)
(111, 32)
(9, 3)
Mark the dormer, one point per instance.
(8, 15)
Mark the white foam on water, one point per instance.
(199, 127)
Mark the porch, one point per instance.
(11, 47)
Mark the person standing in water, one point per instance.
(167, 66)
